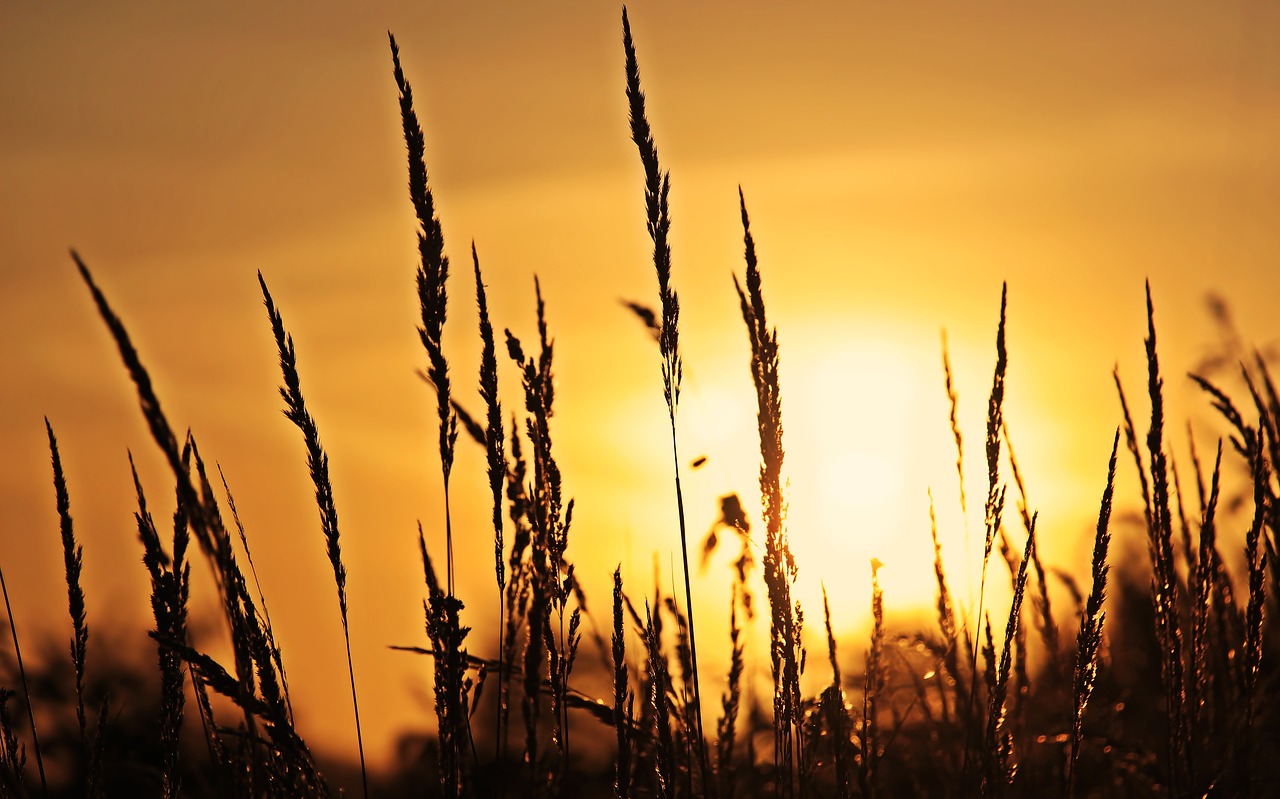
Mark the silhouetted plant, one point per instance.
(960, 710)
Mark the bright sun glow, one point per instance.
(863, 446)
(866, 438)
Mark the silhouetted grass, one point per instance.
(785, 620)
(318, 464)
(170, 589)
(1089, 640)
(658, 222)
(959, 709)
(11, 746)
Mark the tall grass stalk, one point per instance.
(318, 465)
(731, 702)
(951, 637)
(1199, 575)
(494, 439)
(550, 519)
(432, 276)
(1164, 587)
(1212, 586)
(521, 563)
(993, 513)
(1255, 559)
(953, 402)
(73, 561)
(953, 410)
(447, 637)
(13, 754)
(26, 690)
(1202, 592)
(873, 689)
(170, 587)
(1269, 411)
(659, 707)
(999, 741)
(270, 751)
(1021, 679)
(1231, 618)
(1089, 639)
(658, 222)
(241, 617)
(832, 705)
(786, 649)
(191, 517)
(153, 414)
(623, 699)
(1254, 445)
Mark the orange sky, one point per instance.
(898, 161)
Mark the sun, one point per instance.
(867, 439)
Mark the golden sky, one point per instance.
(899, 161)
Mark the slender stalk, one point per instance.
(494, 438)
(447, 637)
(26, 690)
(550, 519)
(318, 464)
(947, 618)
(432, 277)
(157, 423)
(1164, 586)
(657, 188)
(664, 747)
(953, 401)
(832, 703)
(73, 558)
(622, 696)
(1202, 588)
(994, 509)
(873, 688)
(1089, 641)
(1256, 562)
(727, 730)
(999, 743)
(786, 650)
(169, 592)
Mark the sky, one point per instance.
(899, 161)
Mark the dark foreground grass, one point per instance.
(1159, 682)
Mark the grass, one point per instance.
(971, 706)
(318, 464)
(658, 222)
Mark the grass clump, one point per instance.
(962, 708)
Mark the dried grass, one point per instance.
(947, 712)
